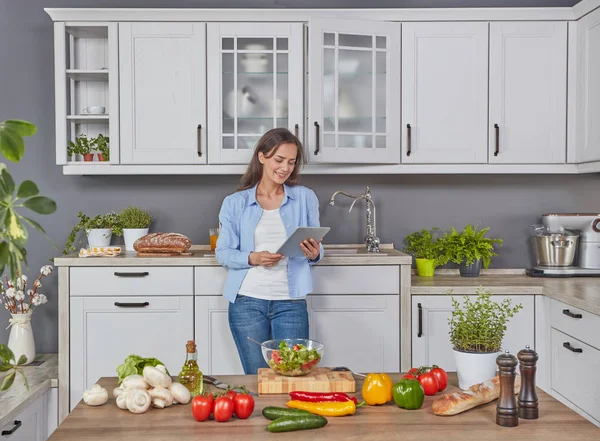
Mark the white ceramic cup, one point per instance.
(94, 110)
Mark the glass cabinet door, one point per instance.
(354, 87)
(254, 84)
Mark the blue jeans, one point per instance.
(264, 320)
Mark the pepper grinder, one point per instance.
(506, 409)
(528, 400)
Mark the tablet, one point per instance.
(291, 247)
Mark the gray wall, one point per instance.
(190, 204)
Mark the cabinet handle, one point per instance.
(17, 424)
(317, 139)
(408, 140)
(497, 129)
(571, 348)
(296, 130)
(420, 334)
(132, 305)
(144, 274)
(199, 137)
(570, 314)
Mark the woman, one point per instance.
(267, 290)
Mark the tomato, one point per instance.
(429, 383)
(244, 405)
(231, 394)
(308, 365)
(276, 357)
(296, 348)
(224, 408)
(442, 377)
(412, 371)
(202, 407)
(409, 376)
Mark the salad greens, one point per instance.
(294, 361)
(134, 364)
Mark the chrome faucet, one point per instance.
(371, 239)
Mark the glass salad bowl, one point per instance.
(292, 357)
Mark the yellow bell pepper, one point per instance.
(377, 389)
(329, 408)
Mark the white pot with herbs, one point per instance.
(135, 223)
(99, 230)
(477, 329)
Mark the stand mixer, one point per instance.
(587, 257)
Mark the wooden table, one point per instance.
(387, 422)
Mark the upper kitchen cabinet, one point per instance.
(528, 102)
(354, 92)
(163, 93)
(444, 92)
(255, 83)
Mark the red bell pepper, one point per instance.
(318, 397)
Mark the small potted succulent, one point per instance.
(470, 249)
(427, 249)
(102, 147)
(477, 329)
(99, 230)
(135, 223)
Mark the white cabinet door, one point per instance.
(217, 353)
(105, 330)
(255, 83)
(430, 339)
(354, 91)
(163, 93)
(360, 332)
(29, 425)
(528, 102)
(444, 92)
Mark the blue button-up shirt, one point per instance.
(239, 217)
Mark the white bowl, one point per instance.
(254, 64)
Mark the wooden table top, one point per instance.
(387, 422)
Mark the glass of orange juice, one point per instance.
(214, 235)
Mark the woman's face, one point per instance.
(279, 166)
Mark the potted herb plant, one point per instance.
(470, 249)
(99, 230)
(427, 249)
(135, 223)
(81, 146)
(477, 329)
(101, 144)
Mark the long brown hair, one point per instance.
(268, 145)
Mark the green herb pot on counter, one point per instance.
(408, 394)
(425, 267)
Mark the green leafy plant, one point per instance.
(469, 245)
(10, 365)
(108, 220)
(134, 364)
(425, 244)
(480, 325)
(134, 217)
(81, 146)
(101, 145)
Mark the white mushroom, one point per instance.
(159, 404)
(156, 377)
(162, 368)
(118, 391)
(96, 396)
(134, 381)
(180, 393)
(162, 394)
(122, 399)
(138, 400)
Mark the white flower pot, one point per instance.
(99, 237)
(130, 235)
(21, 340)
(473, 368)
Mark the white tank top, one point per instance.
(268, 283)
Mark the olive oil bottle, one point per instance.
(190, 375)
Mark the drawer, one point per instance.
(577, 323)
(132, 281)
(356, 279)
(209, 280)
(575, 374)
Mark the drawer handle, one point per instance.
(132, 305)
(570, 314)
(144, 274)
(571, 348)
(408, 140)
(420, 334)
(17, 424)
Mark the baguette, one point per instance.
(162, 243)
(476, 395)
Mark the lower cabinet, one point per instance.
(430, 329)
(105, 330)
(36, 422)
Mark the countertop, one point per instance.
(40, 378)
(387, 422)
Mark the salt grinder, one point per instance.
(528, 400)
(506, 409)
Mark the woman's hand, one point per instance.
(310, 248)
(264, 258)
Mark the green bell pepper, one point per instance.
(408, 394)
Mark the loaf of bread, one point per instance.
(476, 395)
(162, 243)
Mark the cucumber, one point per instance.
(291, 423)
(272, 412)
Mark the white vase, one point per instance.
(130, 235)
(99, 237)
(473, 368)
(21, 340)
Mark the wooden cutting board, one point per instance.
(319, 380)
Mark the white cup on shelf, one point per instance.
(94, 110)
